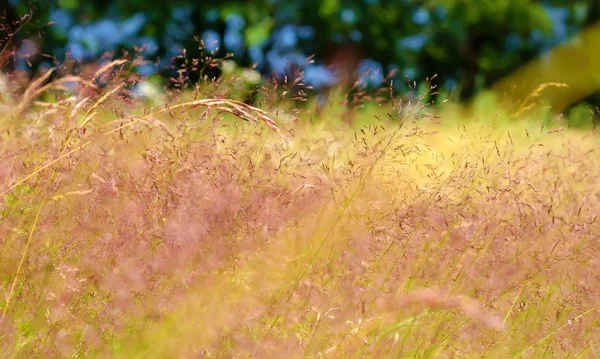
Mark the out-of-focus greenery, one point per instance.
(470, 44)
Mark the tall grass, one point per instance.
(179, 231)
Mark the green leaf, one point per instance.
(68, 4)
(258, 33)
(329, 7)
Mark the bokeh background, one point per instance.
(469, 44)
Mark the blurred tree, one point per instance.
(477, 42)
(470, 44)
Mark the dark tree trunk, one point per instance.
(593, 14)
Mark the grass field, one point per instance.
(136, 230)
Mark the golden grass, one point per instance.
(171, 232)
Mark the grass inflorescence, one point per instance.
(169, 228)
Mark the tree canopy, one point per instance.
(469, 44)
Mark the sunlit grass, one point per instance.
(177, 231)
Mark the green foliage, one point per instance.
(472, 43)
(582, 116)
